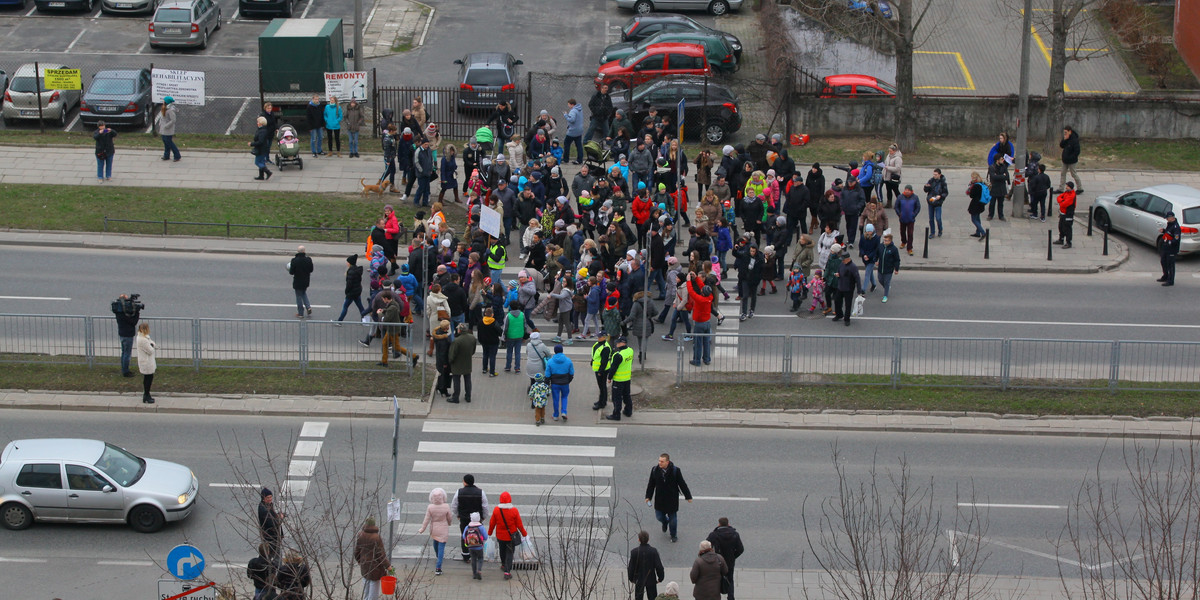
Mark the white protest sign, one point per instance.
(489, 221)
(185, 87)
(347, 85)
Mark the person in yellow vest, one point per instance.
(619, 375)
(601, 356)
(496, 257)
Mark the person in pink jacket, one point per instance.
(505, 521)
(437, 521)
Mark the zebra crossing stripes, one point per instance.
(545, 469)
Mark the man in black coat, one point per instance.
(314, 114)
(468, 499)
(127, 312)
(301, 268)
(270, 525)
(456, 297)
(662, 492)
(645, 569)
(795, 204)
(726, 542)
(1070, 156)
(602, 112)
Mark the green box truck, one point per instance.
(293, 57)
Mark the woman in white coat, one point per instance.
(145, 360)
(437, 521)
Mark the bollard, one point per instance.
(925, 250)
(285, 231)
(987, 244)
(1105, 242)
(1049, 244)
(1091, 209)
(164, 227)
(228, 229)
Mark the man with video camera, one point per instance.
(128, 309)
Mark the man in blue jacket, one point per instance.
(560, 371)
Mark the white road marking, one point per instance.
(54, 298)
(370, 15)
(277, 305)
(566, 488)
(294, 489)
(22, 560)
(71, 125)
(76, 40)
(234, 485)
(236, 11)
(1022, 506)
(546, 450)
(233, 124)
(729, 498)
(301, 468)
(554, 512)
(314, 429)
(304, 15)
(126, 563)
(539, 531)
(142, 49)
(515, 429)
(1052, 557)
(425, 31)
(308, 448)
(998, 322)
(31, 11)
(435, 466)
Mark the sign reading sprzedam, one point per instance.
(63, 79)
(185, 87)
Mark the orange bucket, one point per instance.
(387, 585)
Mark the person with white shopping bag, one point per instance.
(508, 528)
(849, 284)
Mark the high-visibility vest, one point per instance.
(495, 258)
(597, 356)
(625, 369)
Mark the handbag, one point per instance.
(725, 584)
(101, 154)
(514, 536)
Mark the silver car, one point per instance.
(27, 88)
(716, 7)
(89, 481)
(184, 23)
(1142, 214)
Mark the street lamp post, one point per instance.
(1018, 197)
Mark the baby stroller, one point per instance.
(596, 155)
(289, 148)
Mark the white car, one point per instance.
(1142, 214)
(89, 481)
(28, 88)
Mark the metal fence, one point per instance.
(227, 229)
(441, 107)
(945, 362)
(304, 345)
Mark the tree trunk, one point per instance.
(906, 110)
(1055, 104)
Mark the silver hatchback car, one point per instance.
(184, 23)
(89, 481)
(28, 87)
(1143, 214)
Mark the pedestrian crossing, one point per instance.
(560, 478)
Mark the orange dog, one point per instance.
(377, 188)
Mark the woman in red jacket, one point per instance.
(505, 521)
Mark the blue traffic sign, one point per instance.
(185, 562)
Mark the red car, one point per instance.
(842, 86)
(652, 62)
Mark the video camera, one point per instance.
(128, 306)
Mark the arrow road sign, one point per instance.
(185, 562)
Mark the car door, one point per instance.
(695, 113)
(1127, 211)
(648, 68)
(1153, 219)
(685, 64)
(91, 496)
(41, 485)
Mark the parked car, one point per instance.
(1142, 214)
(49, 5)
(89, 481)
(17, 3)
(269, 8)
(118, 97)
(28, 88)
(128, 6)
(839, 86)
(720, 55)
(710, 108)
(869, 7)
(716, 7)
(184, 23)
(644, 26)
(652, 62)
(486, 79)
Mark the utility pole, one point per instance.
(1018, 196)
(358, 35)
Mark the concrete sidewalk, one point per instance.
(502, 400)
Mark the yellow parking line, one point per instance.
(1066, 88)
(961, 65)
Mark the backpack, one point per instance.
(473, 537)
(985, 194)
(402, 298)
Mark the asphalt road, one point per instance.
(763, 480)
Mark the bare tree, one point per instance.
(1137, 537)
(884, 537)
(321, 524)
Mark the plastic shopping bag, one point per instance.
(527, 551)
(491, 550)
(859, 301)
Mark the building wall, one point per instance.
(1187, 33)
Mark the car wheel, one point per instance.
(16, 516)
(62, 117)
(287, 10)
(204, 40)
(218, 20)
(1103, 222)
(714, 132)
(718, 8)
(9, 122)
(146, 519)
(643, 8)
(617, 87)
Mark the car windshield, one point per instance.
(1191, 215)
(123, 467)
(495, 77)
(173, 15)
(887, 87)
(112, 87)
(25, 85)
(632, 58)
